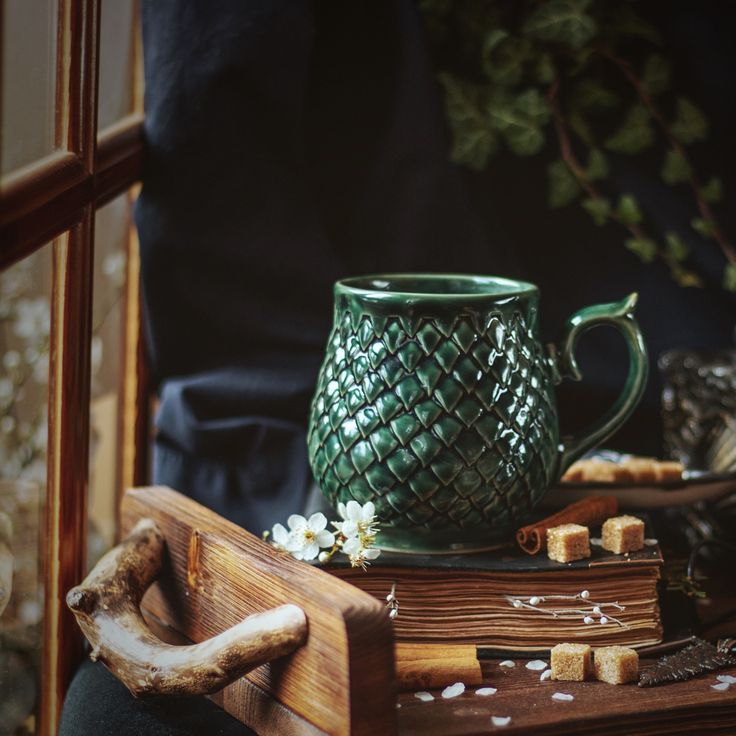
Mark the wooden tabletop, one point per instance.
(691, 707)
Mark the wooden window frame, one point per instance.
(54, 200)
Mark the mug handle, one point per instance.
(620, 315)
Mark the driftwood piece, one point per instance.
(107, 608)
(342, 681)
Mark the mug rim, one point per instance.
(502, 287)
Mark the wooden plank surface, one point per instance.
(691, 707)
(342, 681)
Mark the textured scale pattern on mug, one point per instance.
(441, 424)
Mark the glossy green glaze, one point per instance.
(436, 401)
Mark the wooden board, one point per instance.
(342, 681)
(691, 707)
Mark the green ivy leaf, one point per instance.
(598, 209)
(591, 95)
(628, 211)
(684, 277)
(690, 124)
(706, 228)
(520, 119)
(544, 69)
(581, 127)
(677, 248)
(675, 169)
(656, 74)
(474, 142)
(635, 133)
(503, 57)
(597, 167)
(645, 248)
(562, 21)
(729, 277)
(562, 186)
(628, 23)
(712, 192)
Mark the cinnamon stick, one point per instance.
(589, 511)
(428, 666)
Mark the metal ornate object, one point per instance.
(698, 401)
(439, 406)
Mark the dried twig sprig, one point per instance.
(392, 603)
(593, 612)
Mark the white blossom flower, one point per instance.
(306, 536)
(279, 537)
(359, 552)
(357, 519)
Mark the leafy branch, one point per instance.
(511, 71)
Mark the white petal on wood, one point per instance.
(545, 675)
(500, 721)
(730, 679)
(537, 665)
(485, 691)
(452, 691)
(721, 686)
(507, 663)
(424, 696)
(563, 697)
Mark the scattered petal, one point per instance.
(651, 542)
(563, 696)
(596, 541)
(730, 679)
(545, 675)
(452, 691)
(507, 663)
(721, 686)
(485, 691)
(500, 720)
(537, 665)
(424, 696)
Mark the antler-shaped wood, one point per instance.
(107, 608)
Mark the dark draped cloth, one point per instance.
(291, 143)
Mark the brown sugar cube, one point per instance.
(568, 542)
(571, 662)
(623, 534)
(669, 470)
(616, 665)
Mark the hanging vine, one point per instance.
(590, 76)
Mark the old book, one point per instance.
(509, 600)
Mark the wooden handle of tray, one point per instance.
(107, 608)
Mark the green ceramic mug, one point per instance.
(436, 401)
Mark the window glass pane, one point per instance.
(111, 237)
(28, 105)
(116, 55)
(25, 291)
